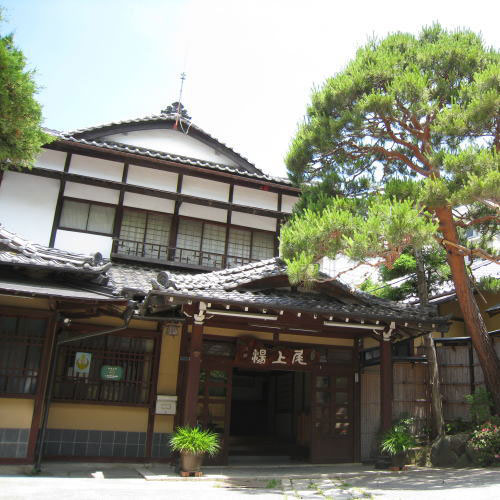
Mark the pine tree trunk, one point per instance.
(472, 316)
(430, 349)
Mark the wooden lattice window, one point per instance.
(131, 357)
(200, 242)
(21, 343)
(144, 234)
(246, 245)
(262, 245)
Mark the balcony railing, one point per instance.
(152, 252)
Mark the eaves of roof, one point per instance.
(36, 288)
(302, 303)
(160, 155)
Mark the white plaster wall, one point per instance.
(92, 193)
(84, 243)
(201, 212)
(255, 198)
(27, 205)
(53, 160)
(95, 167)
(255, 221)
(148, 203)
(152, 178)
(288, 202)
(203, 188)
(173, 142)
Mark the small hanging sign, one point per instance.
(82, 363)
(109, 372)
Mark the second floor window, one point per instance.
(87, 216)
(149, 235)
(145, 234)
(201, 243)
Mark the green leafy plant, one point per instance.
(485, 441)
(195, 440)
(399, 438)
(480, 405)
(456, 426)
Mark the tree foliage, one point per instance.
(21, 136)
(404, 106)
(423, 108)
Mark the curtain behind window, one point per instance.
(101, 219)
(74, 215)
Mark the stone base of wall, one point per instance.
(109, 444)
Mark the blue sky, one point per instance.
(250, 64)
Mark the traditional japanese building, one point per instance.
(183, 314)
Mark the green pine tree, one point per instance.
(406, 107)
(21, 136)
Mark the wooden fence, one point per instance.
(460, 374)
(411, 398)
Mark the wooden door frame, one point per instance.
(353, 367)
(341, 370)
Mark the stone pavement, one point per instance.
(335, 482)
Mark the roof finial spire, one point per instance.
(183, 77)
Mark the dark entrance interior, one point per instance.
(270, 415)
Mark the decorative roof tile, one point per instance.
(18, 251)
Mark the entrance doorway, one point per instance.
(270, 416)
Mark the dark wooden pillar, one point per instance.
(385, 383)
(193, 371)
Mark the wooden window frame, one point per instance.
(88, 202)
(151, 377)
(125, 208)
(33, 314)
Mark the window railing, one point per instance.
(164, 253)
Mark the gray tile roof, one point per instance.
(164, 117)
(19, 252)
(446, 291)
(229, 285)
(160, 155)
(94, 136)
(248, 285)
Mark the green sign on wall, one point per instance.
(109, 372)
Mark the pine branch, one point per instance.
(479, 220)
(468, 251)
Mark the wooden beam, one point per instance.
(60, 198)
(47, 353)
(167, 165)
(156, 193)
(193, 376)
(386, 391)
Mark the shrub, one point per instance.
(480, 405)
(399, 438)
(485, 441)
(195, 440)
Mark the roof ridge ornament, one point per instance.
(177, 108)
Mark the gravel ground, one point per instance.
(98, 482)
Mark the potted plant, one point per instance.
(397, 441)
(193, 443)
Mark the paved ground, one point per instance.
(346, 482)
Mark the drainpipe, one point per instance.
(66, 339)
